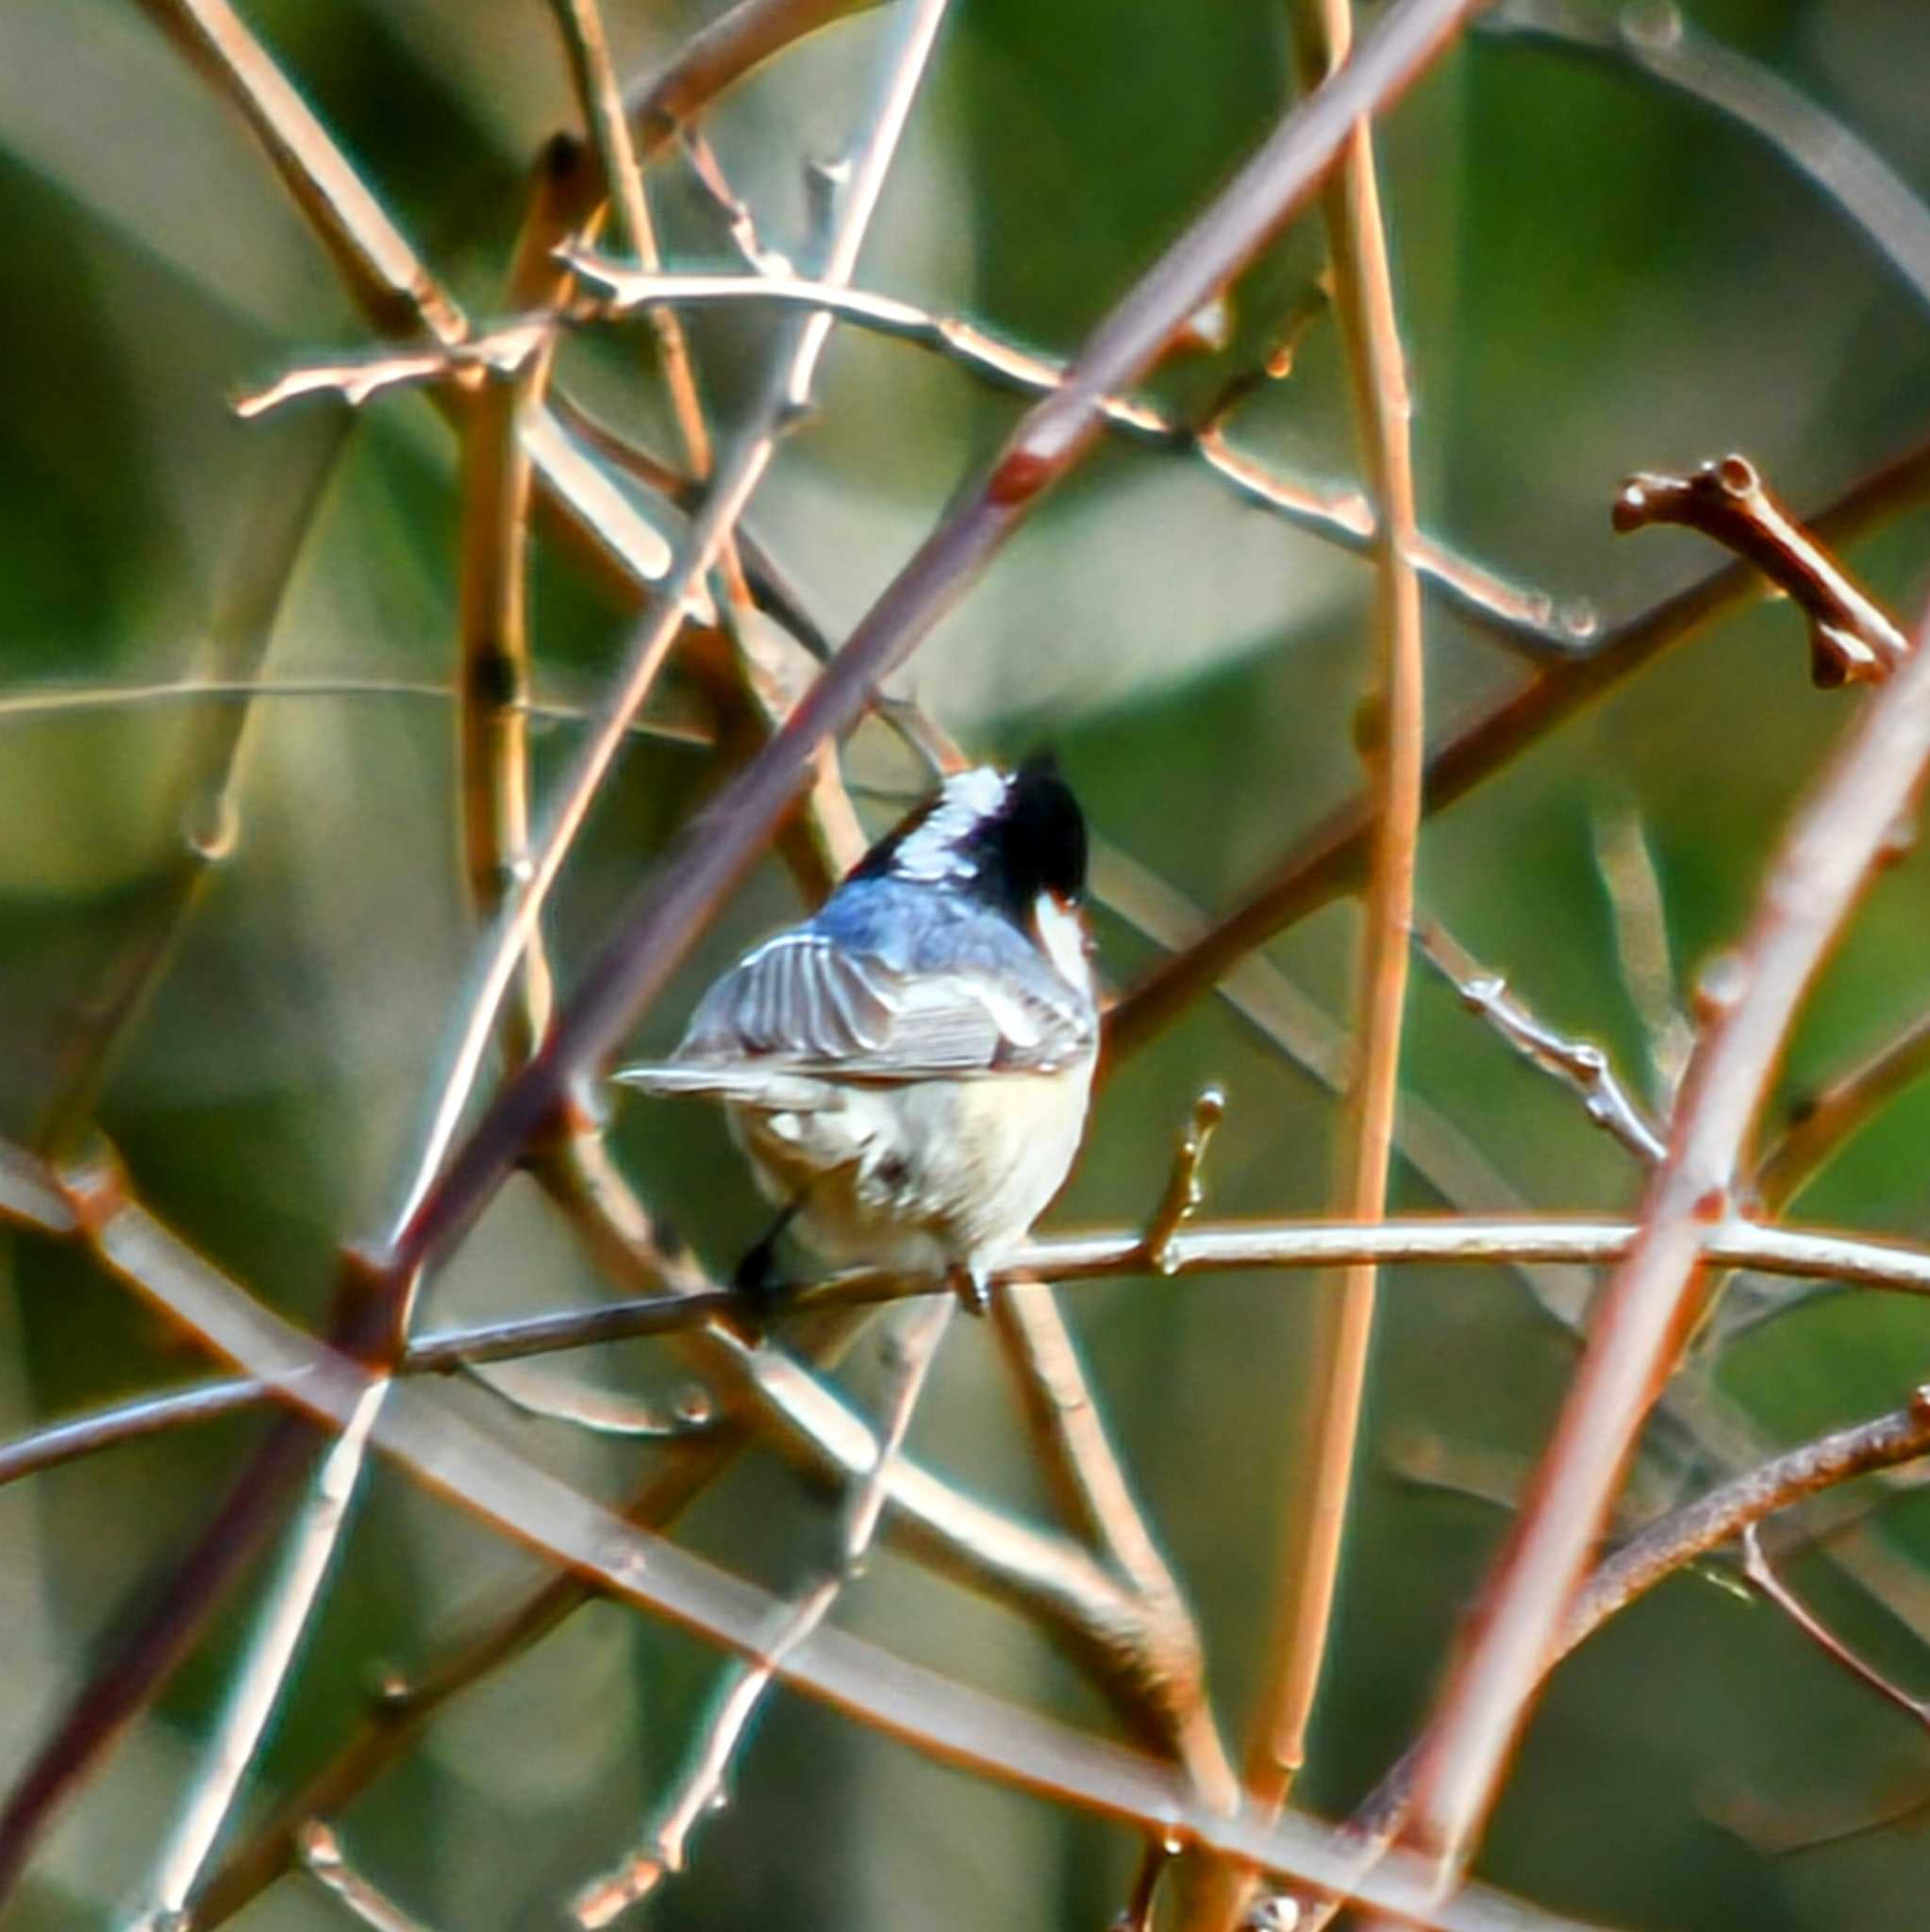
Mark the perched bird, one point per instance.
(908, 1070)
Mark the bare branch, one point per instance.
(1578, 1063)
(1851, 639)
(1761, 1575)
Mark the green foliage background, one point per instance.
(1596, 275)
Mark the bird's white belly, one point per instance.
(926, 1174)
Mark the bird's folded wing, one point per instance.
(802, 1005)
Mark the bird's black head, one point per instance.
(1039, 833)
(1005, 837)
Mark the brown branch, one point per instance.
(674, 910)
(383, 274)
(1307, 1563)
(1762, 1576)
(1819, 1127)
(1851, 639)
(718, 56)
(1327, 860)
(1160, 1677)
(1825, 860)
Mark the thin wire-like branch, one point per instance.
(580, 22)
(1326, 862)
(1660, 44)
(1793, 1251)
(1577, 1063)
(672, 913)
(1761, 1575)
(1824, 861)
(1852, 638)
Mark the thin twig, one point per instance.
(1825, 860)
(322, 1856)
(1162, 1668)
(1851, 639)
(580, 22)
(1326, 862)
(1821, 1126)
(1578, 1063)
(1762, 1576)
(1810, 1253)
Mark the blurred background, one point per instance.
(1598, 271)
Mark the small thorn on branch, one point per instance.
(1185, 1192)
(1853, 639)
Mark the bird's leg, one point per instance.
(971, 1284)
(755, 1275)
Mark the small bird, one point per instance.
(908, 1070)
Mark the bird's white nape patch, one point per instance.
(1062, 935)
(931, 853)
